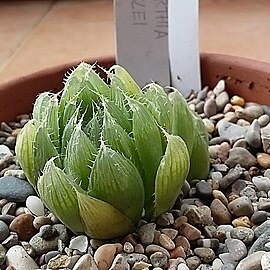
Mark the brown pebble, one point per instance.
(105, 255)
(138, 248)
(183, 242)
(172, 233)
(166, 242)
(23, 226)
(155, 248)
(130, 238)
(217, 194)
(236, 100)
(189, 231)
(179, 221)
(220, 213)
(178, 252)
(264, 160)
(40, 221)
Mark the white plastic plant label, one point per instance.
(142, 39)
(157, 40)
(183, 42)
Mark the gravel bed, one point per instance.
(220, 223)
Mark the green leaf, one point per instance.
(121, 78)
(79, 158)
(58, 193)
(93, 130)
(148, 142)
(159, 105)
(24, 150)
(182, 119)
(115, 180)
(101, 220)
(171, 174)
(118, 139)
(44, 150)
(41, 105)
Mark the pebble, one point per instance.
(182, 266)
(220, 213)
(9, 208)
(4, 231)
(17, 257)
(263, 160)
(193, 262)
(207, 255)
(23, 226)
(242, 222)
(189, 231)
(204, 190)
(165, 220)
(260, 242)
(4, 150)
(40, 221)
(246, 235)
(219, 88)
(250, 113)
(155, 248)
(230, 131)
(217, 264)
(59, 261)
(259, 217)
(210, 107)
(251, 262)
(146, 233)
(221, 100)
(42, 246)
(172, 233)
(217, 194)
(210, 127)
(265, 261)
(265, 132)
(105, 254)
(86, 262)
(14, 189)
(236, 100)
(79, 243)
(183, 242)
(119, 263)
(261, 182)
(253, 135)
(209, 243)
(230, 177)
(35, 205)
(11, 240)
(236, 248)
(199, 215)
(263, 120)
(178, 252)
(242, 156)
(241, 206)
(166, 242)
(159, 259)
(264, 227)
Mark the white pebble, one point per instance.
(80, 243)
(265, 261)
(182, 266)
(85, 262)
(35, 205)
(217, 264)
(18, 258)
(220, 87)
(262, 183)
(4, 150)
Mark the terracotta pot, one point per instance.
(247, 78)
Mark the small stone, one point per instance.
(221, 100)
(42, 245)
(223, 151)
(18, 258)
(183, 242)
(259, 217)
(210, 107)
(155, 248)
(242, 156)
(2, 254)
(261, 182)
(35, 205)
(138, 248)
(171, 233)
(105, 254)
(146, 233)
(251, 262)
(220, 213)
(9, 208)
(165, 220)
(230, 177)
(14, 189)
(263, 228)
(218, 140)
(49, 255)
(230, 131)
(4, 231)
(246, 235)
(119, 263)
(253, 135)
(210, 127)
(241, 206)
(143, 266)
(259, 243)
(240, 143)
(236, 100)
(178, 252)
(217, 264)
(199, 215)
(250, 113)
(47, 231)
(159, 259)
(86, 262)
(204, 190)
(193, 262)
(209, 243)
(128, 247)
(59, 261)
(242, 222)
(263, 120)
(265, 132)
(217, 194)
(79, 242)
(182, 266)
(4, 150)
(23, 226)
(226, 258)
(250, 193)
(207, 255)
(265, 261)
(219, 88)
(263, 160)
(166, 242)
(189, 231)
(40, 221)
(237, 248)
(11, 240)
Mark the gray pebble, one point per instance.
(212, 243)
(210, 107)
(119, 263)
(193, 262)
(155, 248)
(251, 262)
(263, 120)
(227, 266)
(50, 255)
(259, 243)
(14, 189)
(7, 218)
(47, 231)
(4, 231)
(250, 193)
(207, 255)
(165, 220)
(237, 248)
(199, 215)
(259, 217)
(2, 254)
(253, 135)
(230, 131)
(230, 177)
(9, 209)
(11, 240)
(218, 140)
(146, 233)
(261, 182)
(246, 235)
(202, 94)
(159, 259)
(238, 186)
(250, 113)
(264, 227)
(221, 100)
(204, 190)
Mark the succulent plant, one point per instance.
(100, 155)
